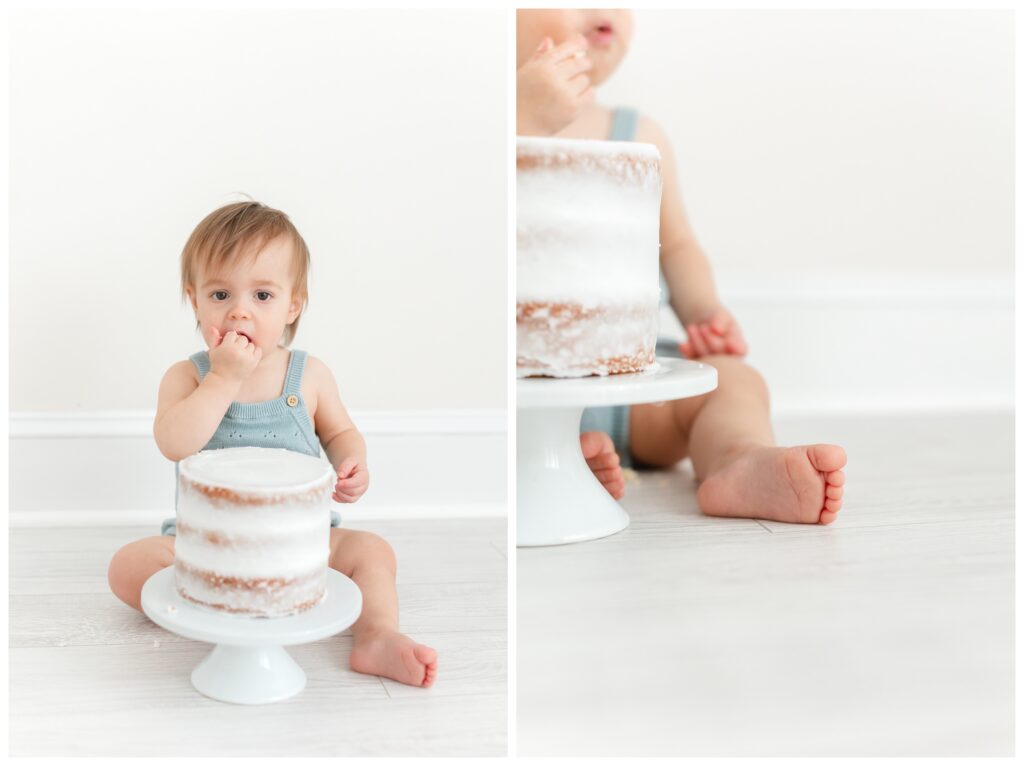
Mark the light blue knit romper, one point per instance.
(282, 422)
(614, 421)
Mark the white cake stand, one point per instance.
(249, 666)
(558, 498)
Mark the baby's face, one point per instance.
(251, 297)
(608, 34)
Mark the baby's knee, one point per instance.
(735, 373)
(120, 573)
(376, 551)
(133, 563)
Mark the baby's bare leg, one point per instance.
(135, 563)
(706, 428)
(728, 435)
(378, 647)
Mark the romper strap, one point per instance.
(624, 121)
(293, 378)
(201, 359)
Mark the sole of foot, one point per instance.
(802, 485)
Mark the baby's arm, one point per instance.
(188, 412)
(710, 328)
(341, 440)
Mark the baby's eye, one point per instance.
(263, 295)
(219, 295)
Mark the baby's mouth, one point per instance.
(601, 35)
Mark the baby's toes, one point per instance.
(595, 442)
(833, 497)
(613, 481)
(604, 461)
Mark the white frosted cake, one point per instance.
(587, 284)
(253, 530)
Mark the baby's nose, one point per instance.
(239, 311)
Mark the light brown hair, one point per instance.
(228, 231)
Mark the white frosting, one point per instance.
(267, 513)
(255, 470)
(553, 147)
(587, 226)
(257, 552)
(260, 602)
(602, 247)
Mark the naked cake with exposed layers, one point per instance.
(253, 530)
(587, 280)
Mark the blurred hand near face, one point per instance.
(552, 87)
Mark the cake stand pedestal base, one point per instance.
(248, 675)
(558, 498)
(248, 665)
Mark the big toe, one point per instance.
(827, 457)
(594, 443)
(425, 654)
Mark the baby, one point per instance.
(244, 271)
(561, 56)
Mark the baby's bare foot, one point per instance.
(794, 484)
(394, 655)
(600, 454)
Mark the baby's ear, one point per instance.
(295, 308)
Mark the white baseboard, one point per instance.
(103, 468)
(902, 343)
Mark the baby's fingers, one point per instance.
(545, 45)
(571, 48)
(574, 65)
(720, 322)
(357, 480)
(716, 344)
(347, 467)
(737, 345)
(696, 341)
(347, 493)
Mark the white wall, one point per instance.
(381, 133)
(851, 175)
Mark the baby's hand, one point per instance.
(233, 356)
(551, 87)
(717, 333)
(353, 479)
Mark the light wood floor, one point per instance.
(889, 632)
(91, 676)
